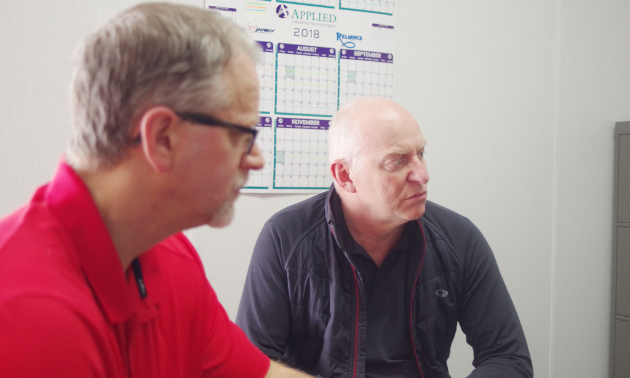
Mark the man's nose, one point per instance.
(419, 173)
(253, 160)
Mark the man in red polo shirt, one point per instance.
(96, 278)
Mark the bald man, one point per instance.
(370, 279)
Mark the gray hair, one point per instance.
(150, 55)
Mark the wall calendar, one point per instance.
(316, 55)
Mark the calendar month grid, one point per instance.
(266, 76)
(383, 33)
(225, 12)
(261, 179)
(315, 3)
(373, 6)
(365, 73)
(301, 157)
(306, 80)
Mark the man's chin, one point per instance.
(413, 214)
(223, 217)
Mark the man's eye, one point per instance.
(395, 162)
(393, 165)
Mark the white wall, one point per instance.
(593, 92)
(517, 100)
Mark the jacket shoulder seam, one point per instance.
(436, 230)
(299, 240)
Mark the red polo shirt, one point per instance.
(67, 308)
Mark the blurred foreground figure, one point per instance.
(96, 278)
(370, 279)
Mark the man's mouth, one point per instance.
(417, 196)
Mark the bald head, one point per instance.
(359, 120)
(377, 162)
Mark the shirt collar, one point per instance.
(339, 227)
(70, 201)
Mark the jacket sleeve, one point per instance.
(264, 312)
(488, 317)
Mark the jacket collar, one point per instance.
(70, 201)
(335, 218)
(337, 223)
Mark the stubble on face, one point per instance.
(224, 216)
(242, 76)
(385, 181)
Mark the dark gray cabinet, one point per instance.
(622, 349)
(623, 208)
(621, 286)
(623, 272)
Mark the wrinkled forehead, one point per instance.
(388, 131)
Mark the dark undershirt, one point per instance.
(389, 351)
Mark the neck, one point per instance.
(377, 238)
(127, 202)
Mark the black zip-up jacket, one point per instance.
(304, 304)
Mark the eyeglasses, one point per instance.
(211, 121)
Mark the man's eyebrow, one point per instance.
(403, 151)
(396, 151)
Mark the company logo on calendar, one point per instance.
(349, 40)
(282, 11)
(255, 29)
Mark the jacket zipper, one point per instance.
(356, 320)
(413, 291)
(356, 324)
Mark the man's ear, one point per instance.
(341, 174)
(158, 127)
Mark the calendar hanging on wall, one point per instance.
(316, 55)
